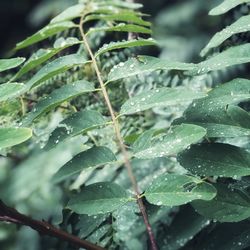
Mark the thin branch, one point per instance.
(119, 137)
(8, 214)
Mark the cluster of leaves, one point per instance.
(193, 170)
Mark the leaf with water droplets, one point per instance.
(91, 158)
(175, 190)
(176, 140)
(121, 27)
(122, 16)
(145, 64)
(241, 25)
(77, 123)
(125, 44)
(57, 97)
(159, 98)
(69, 14)
(56, 67)
(216, 114)
(216, 159)
(12, 136)
(225, 6)
(44, 33)
(234, 55)
(42, 55)
(99, 198)
(230, 205)
(6, 64)
(11, 90)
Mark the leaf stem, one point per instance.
(119, 138)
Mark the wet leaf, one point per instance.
(91, 158)
(225, 6)
(12, 136)
(234, 55)
(11, 90)
(57, 97)
(145, 64)
(99, 198)
(44, 33)
(6, 64)
(216, 159)
(125, 44)
(230, 205)
(175, 190)
(171, 143)
(158, 98)
(77, 123)
(241, 25)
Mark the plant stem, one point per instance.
(9, 214)
(119, 138)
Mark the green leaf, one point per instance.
(230, 205)
(185, 225)
(175, 190)
(57, 97)
(123, 16)
(125, 44)
(44, 33)
(42, 55)
(122, 4)
(99, 198)
(145, 64)
(216, 159)
(216, 114)
(69, 14)
(241, 25)
(56, 67)
(121, 27)
(176, 140)
(92, 158)
(234, 55)
(225, 6)
(6, 64)
(12, 136)
(158, 98)
(78, 123)
(11, 90)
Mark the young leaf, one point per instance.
(12, 136)
(235, 55)
(230, 205)
(44, 33)
(78, 123)
(125, 44)
(56, 67)
(241, 25)
(145, 64)
(69, 14)
(42, 55)
(11, 90)
(216, 159)
(121, 27)
(6, 64)
(99, 198)
(58, 96)
(92, 158)
(225, 6)
(123, 16)
(158, 98)
(175, 190)
(176, 140)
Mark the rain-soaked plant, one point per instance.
(97, 143)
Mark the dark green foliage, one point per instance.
(185, 126)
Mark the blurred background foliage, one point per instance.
(182, 28)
